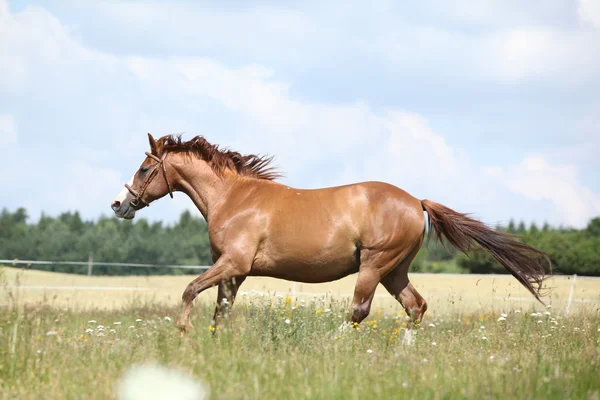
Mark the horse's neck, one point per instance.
(203, 186)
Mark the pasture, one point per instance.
(65, 336)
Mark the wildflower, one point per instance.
(374, 326)
(483, 338)
(116, 323)
(168, 319)
(370, 351)
(112, 331)
(131, 327)
(539, 321)
(89, 330)
(100, 334)
(279, 296)
(51, 333)
(138, 320)
(405, 384)
(491, 357)
(547, 313)
(576, 329)
(100, 327)
(431, 325)
(517, 311)
(211, 328)
(92, 321)
(287, 321)
(501, 319)
(434, 344)
(327, 310)
(482, 327)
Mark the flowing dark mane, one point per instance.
(250, 165)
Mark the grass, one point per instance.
(63, 353)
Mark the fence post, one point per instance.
(90, 264)
(571, 294)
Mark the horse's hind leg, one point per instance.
(398, 285)
(227, 290)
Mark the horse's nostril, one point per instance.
(115, 204)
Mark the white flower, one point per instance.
(404, 384)
(117, 323)
(431, 325)
(501, 319)
(483, 338)
(131, 327)
(547, 313)
(100, 334)
(89, 330)
(491, 357)
(112, 331)
(549, 306)
(503, 315)
(433, 343)
(51, 333)
(598, 329)
(138, 320)
(100, 327)
(92, 321)
(155, 381)
(369, 351)
(482, 327)
(287, 321)
(327, 310)
(280, 296)
(576, 329)
(540, 321)
(168, 319)
(518, 311)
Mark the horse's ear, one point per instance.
(153, 147)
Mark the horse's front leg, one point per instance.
(226, 268)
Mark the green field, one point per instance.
(53, 348)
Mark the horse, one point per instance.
(260, 227)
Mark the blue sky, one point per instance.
(489, 107)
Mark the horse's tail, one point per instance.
(464, 233)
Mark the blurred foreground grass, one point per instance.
(274, 347)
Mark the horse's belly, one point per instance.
(313, 270)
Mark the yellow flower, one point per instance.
(211, 328)
(374, 326)
(319, 311)
(288, 300)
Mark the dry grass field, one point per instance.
(465, 293)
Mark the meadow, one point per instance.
(277, 345)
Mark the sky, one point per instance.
(490, 107)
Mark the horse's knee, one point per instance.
(188, 294)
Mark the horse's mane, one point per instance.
(250, 165)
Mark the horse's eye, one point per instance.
(143, 169)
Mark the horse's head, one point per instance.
(150, 182)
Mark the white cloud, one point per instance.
(537, 180)
(8, 129)
(589, 12)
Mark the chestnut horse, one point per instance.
(258, 227)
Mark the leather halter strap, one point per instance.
(160, 163)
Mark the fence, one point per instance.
(90, 264)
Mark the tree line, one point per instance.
(67, 237)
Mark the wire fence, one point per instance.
(90, 264)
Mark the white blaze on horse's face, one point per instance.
(123, 193)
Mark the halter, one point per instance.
(138, 195)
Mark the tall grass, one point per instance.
(280, 348)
